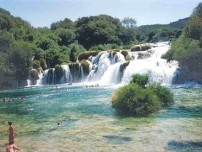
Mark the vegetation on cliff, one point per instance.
(187, 49)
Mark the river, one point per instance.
(88, 123)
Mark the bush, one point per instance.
(137, 99)
(134, 100)
(164, 94)
(141, 80)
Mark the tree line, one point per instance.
(187, 49)
(23, 46)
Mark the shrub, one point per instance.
(164, 94)
(135, 100)
(141, 80)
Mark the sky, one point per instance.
(40, 13)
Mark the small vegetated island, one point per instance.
(140, 98)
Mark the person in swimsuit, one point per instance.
(11, 133)
(12, 148)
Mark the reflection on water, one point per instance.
(87, 121)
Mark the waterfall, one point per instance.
(158, 70)
(66, 76)
(102, 65)
(49, 76)
(39, 81)
(112, 75)
(111, 67)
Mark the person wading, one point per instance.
(11, 147)
(11, 133)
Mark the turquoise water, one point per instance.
(89, 123)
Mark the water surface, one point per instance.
(89, 123)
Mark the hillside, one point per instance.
(146, 32)
(187, 49)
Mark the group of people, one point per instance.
(11, 146)
(9, 100)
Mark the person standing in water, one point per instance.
(13, 148)
(11, 133)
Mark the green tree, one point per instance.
(67, 36)
(20, 60)
(65, 24)
(128, 34)
(97, 30)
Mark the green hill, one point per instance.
(162, 32)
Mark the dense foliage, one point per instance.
(160, 32)
(187, 49)
(22, 46)
(138, 98)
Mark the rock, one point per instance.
(34, 76)
(135, 48)
(141, 47)
(144, 55)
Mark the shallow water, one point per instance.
(89, 123)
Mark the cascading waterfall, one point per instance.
(49, 76)
(158, 70)
(66, 77)
(111, 68)
(148, 62)
(103, 65)
(112, 75)
(107, 70)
